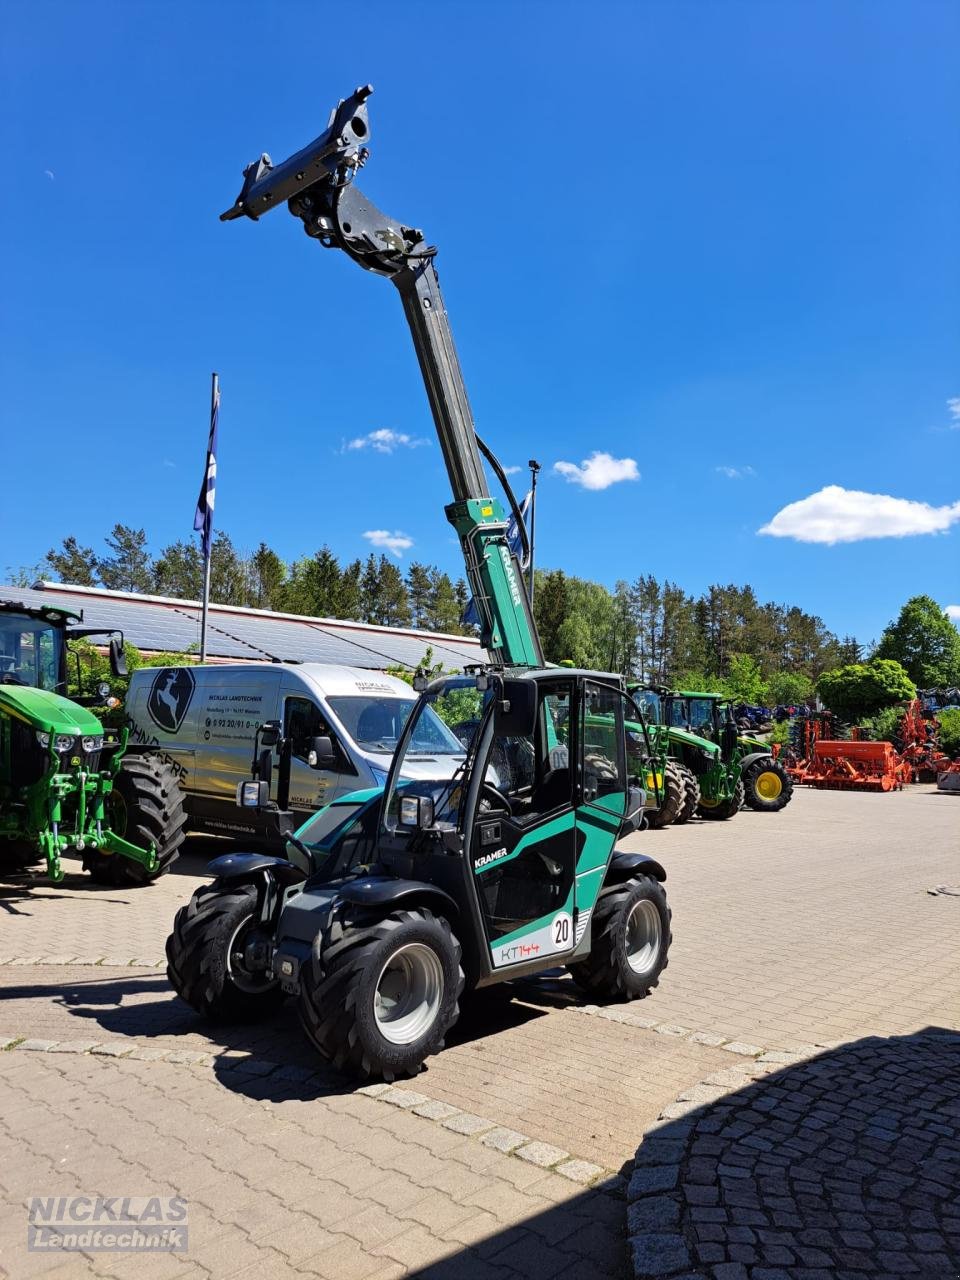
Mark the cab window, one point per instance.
(601, 736)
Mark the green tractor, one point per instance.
(744, 773)
(683, 760)
(65, 784)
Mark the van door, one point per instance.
(230, 709)
(303, 720)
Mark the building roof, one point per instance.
(160, 623)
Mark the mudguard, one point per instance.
(623, 866)
(233, 868)
(747, 761)
(386, 891)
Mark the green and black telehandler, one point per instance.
(66, 785)
(394, 902)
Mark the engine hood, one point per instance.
(425, 768)
(687, 739)
(45, 710)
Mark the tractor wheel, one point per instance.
(630, 940)
(379, 995)
(145, 807)
(767, 786)
(692, 797)
(674, 797)
(207, 956)
(725, 809)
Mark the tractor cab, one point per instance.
(709, 716)
(32, 648)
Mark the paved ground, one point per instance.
(806, 929)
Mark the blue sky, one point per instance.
(703, 238)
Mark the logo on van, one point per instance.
(170, 697)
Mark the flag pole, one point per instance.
(208, 540)
(534, 471)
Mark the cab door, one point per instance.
(524, 840)
(602, 791)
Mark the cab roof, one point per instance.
(43, 613)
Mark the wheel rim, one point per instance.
(250, 981)
(769, 785)
(643, 935)
(406, 999)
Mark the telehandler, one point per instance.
(379, 922)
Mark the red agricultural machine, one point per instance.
(816, 757)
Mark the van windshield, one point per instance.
(375, 724)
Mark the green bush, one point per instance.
(950, 731)
(780, 732)
(883, 726)
(864, 688)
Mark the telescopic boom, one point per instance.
(318, 185)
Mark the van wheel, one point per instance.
(145, 807)
(631, 939)
(378, 996)
(207, 954)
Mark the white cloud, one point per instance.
(50, 174)
(599, 471)
(835, 514)
(735, 473)
(168, 463)
(511, 471)
(953, 404)
(953, 611)
(384, 441)
(396, 542)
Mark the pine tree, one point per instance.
(350, 594)
(444, 609)
(73, 564)
(178, 571)
(266, 576)
(128, 568)
(419, 590)
(228, 576)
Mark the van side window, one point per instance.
(302, 721)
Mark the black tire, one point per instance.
(726, 808)
(203, 956)
(339, 991)
(767, 786)
(674, 797)
(146, 808)
(608, 971)
(692, 797)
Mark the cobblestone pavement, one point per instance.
(839, 1167)
(784, 932)
(283, 1178)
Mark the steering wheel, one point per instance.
(11, 677)
(495, 799)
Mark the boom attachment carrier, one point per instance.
(318, 185)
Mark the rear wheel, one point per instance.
(210, 956)
(378, 996)
(692, 797)
(674, 797)
(767, 785)
(723, 809)
(145, 807)
(630, 941)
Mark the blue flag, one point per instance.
(203, 520)
(471, 614)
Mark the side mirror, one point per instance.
(320, 754)
(264, 767)
(118, 663)
(253, 794)
(636, 803)
(516, 712)
(270, 733)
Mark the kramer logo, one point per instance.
(170, 697)
(488, 860)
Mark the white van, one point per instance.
(203, 719)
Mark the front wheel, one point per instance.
(379, 995)
(723, 809)
(674, 797)
(144, 807)
(630, 941)
(216, 956)
(767, 785)
(691, 797)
